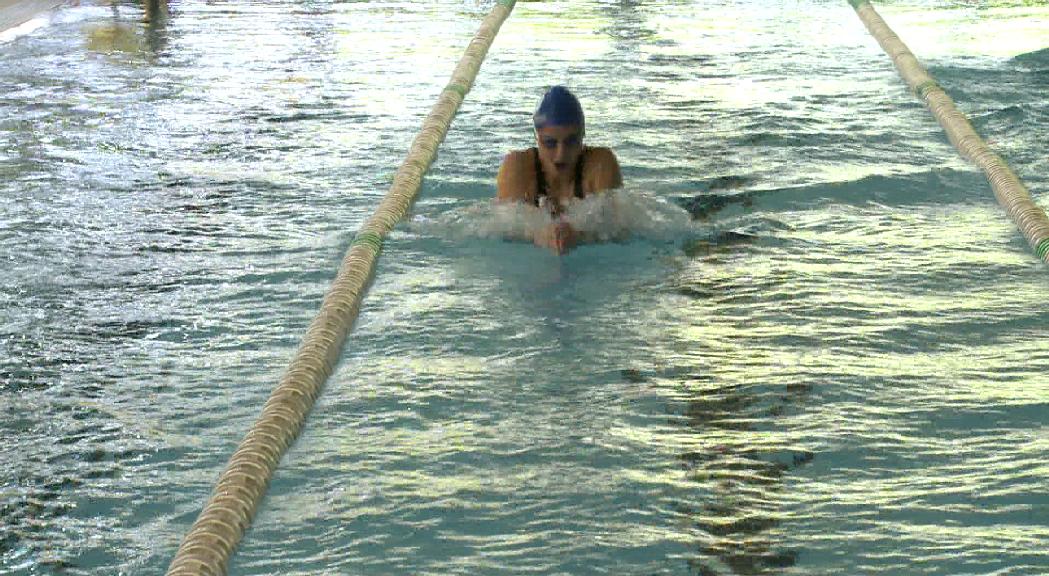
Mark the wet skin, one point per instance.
(559, 149)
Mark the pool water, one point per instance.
(822, 350)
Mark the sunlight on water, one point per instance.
(980, 29)
(802, 339)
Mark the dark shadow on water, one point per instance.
(741, 485)
(743, 464)
(156, 19)
(1037, 60)
(740, 514)
(719, 243)
(708, 203)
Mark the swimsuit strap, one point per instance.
(541, 181)
(579, 174)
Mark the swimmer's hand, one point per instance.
(559, 236)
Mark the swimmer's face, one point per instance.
(559, 147)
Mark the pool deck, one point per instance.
(15, 12)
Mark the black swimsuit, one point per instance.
(541, 181)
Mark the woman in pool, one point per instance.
(558, 169)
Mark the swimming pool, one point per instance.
(855, 382)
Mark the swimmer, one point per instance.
(558, 170)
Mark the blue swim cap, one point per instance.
(559, 107)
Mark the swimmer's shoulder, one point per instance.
(602, 170)
(516, 179)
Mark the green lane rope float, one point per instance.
(1010, 192)
(370, 239)
(211, 540)
(1043, 249)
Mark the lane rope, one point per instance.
(1008, 189)
(211, 540)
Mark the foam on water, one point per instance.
(617, 215)
(24, 28)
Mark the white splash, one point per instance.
(24, 28)
(617, 215)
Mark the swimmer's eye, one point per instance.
(572, 141)
(550, 143)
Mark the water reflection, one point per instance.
(153, 189)
(123, 35)
(156, 19)
(734, 397)
(742, 478)
(740, 471)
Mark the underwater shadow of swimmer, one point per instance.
(743, 479)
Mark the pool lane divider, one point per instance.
(1008, 189)
(211, 540)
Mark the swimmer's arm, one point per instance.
(514, 179)
(606, 174)
(514, 183)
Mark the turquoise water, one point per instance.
(839, 366)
